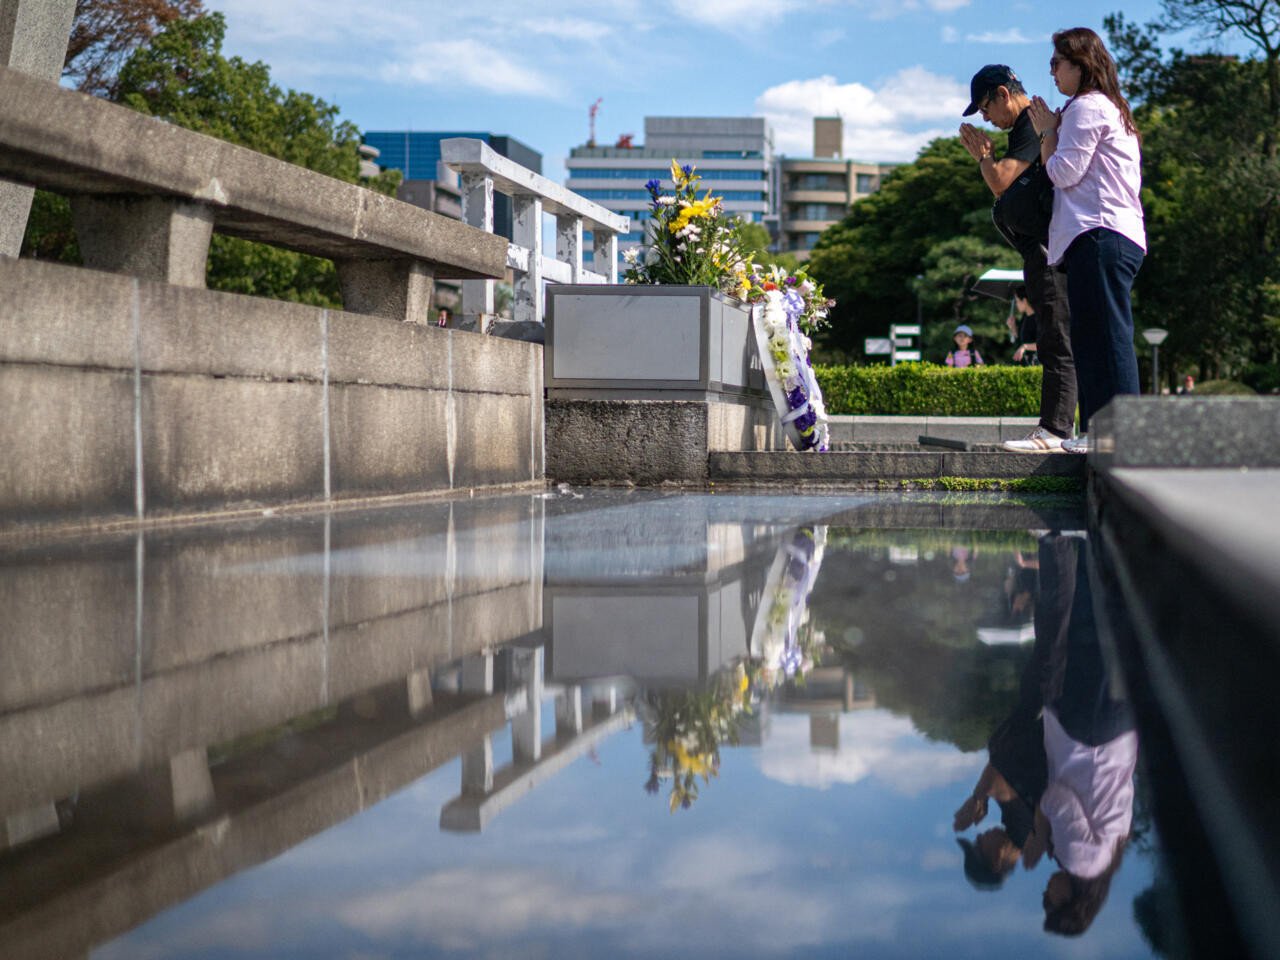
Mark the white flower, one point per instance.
(779, 341)
(631, 254)
(786, 370)
(651, 256)
(806, 287)
(666, 201)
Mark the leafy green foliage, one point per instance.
(926, 389)
(869, 261)
(1211, 193)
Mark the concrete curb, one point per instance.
(873, 429)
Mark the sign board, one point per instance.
(874, 345)
(902, 341)
(908, 355)
(905, 330)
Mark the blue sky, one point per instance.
(897, 70)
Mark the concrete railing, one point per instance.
(147, 195)
(484, 171)
(135, 394)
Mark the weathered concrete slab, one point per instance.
(387, 441)
(906, 429)
(206, 442)
(68, 142)
(68, 442)
(1186, 432)
(838, 466)
(493, 439)
(222, 334)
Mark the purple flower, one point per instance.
(654, 187)
(793, 303)
(790, 281)
(687, 171)
(795, 398)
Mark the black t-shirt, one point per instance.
(1023, 145)
(1023, 142)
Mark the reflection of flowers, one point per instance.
(783, 642)
(688, 727)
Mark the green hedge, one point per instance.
(930, 389)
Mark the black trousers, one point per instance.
(1047, 291)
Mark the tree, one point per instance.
(105, 33)
(1258, 21)
(950, 269)
(868, 261)
(1211, 195)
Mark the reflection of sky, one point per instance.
(787, 852)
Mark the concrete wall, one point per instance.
(126, 399)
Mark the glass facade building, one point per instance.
(733, 155)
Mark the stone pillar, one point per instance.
(527, 233)
(154, 238)
(477, 211)
(526, 729)
(395, 289)
(477, 763)
(569, 245)
(569, 713)
(604, 253)
(33, 39)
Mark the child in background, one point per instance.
(963, 355)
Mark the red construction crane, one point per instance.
(591, 114)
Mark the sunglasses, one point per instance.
(1054, 61)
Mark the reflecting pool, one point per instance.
(579, 724)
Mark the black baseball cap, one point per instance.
(984, 81)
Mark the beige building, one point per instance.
(818, 191)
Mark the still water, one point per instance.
(604, 724)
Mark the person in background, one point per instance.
(442, 317)
(963, 355)
(1022, 327)
(1092, 154)
(1188, 385)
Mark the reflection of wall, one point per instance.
(183, 705)
(129, 652)
(621, 607)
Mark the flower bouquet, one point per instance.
(693, 241)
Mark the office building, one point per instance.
(428, 183)
(818, 191)
(733, 155)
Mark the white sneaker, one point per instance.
(1038, 440)
(1079, 445)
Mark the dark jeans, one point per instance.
(1047, 291)
(1101, 266)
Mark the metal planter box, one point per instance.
(648, 343)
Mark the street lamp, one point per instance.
(1155, 336)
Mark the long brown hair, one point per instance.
(1085, 49)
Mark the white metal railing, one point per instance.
(483, 171)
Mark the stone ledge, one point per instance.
(1186, 432)
(837, 467)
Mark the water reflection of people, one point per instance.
(1061, 764)
(1086, 810)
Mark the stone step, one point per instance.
(840, 467)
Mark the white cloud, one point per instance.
(566, 28)
(468, 63)
(950, 34)
(461, 908)
(946, 6)
(1013, 35)
(734, 15)
(879, 124)
(873, 744)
